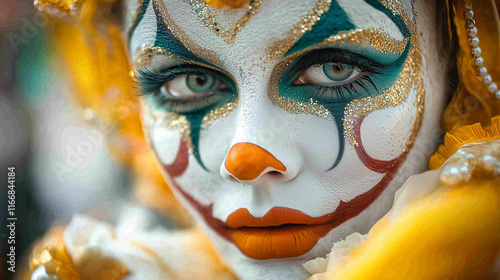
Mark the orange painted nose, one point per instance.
(246, 161)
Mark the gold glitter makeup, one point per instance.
(218, 113)
(279, 48)
(374, 37)
(396, 6)
(171, 120)
(146, 52)
(290, 105)
(410, 78)
(207, 55)
(207, 17)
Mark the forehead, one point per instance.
(259, 26)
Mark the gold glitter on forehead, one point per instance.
(205, 54)
(280, 47)
(206, 15)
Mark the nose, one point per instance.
(251, 164)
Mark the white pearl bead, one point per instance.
(476, 51)
(487, 80)
(469, 14)
(474, 41)
(482, 71)
(498, 95)
(472, 32)
(479, 61)
(493, 88)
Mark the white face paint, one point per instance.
(251, 140)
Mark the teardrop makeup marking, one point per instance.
(246, 161)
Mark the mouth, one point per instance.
(281, 233)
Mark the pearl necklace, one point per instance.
(482, 72)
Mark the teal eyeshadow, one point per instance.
(303, 93)
(333, 21)
(144, 7)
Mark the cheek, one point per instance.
(384, 133)
(166, 144)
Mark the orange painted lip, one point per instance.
(281, 233)
(277, 216)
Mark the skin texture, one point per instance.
(260, 167)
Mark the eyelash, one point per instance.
(322, 91)
(337, 93)
(150, 83)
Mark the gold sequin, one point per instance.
(280, 47)
(206, 15)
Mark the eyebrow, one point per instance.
(333, 22)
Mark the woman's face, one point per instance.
(284, 126)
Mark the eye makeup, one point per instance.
(194, 109)
(331, 100)
(152, 85)
(374, 78)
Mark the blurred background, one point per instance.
(61, 164)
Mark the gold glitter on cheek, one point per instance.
(207, 17)
(219, 113)
(152, 117)
(280, 47)
(311, 107)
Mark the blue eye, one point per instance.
(199, 82)
(338, 71)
